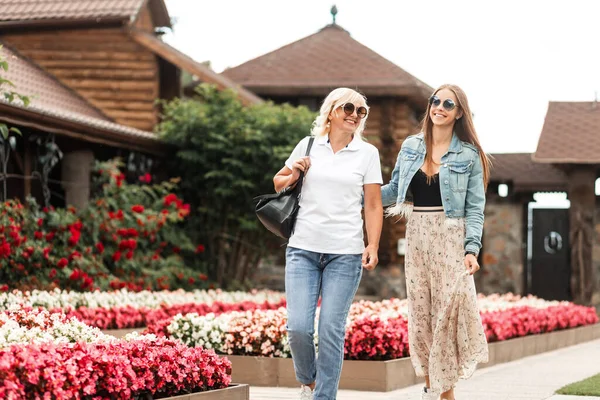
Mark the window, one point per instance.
(598, 187)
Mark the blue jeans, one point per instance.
(336, 278)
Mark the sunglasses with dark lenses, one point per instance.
(360, 111)
(448, 104)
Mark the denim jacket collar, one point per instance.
(455, 144)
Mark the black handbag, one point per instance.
(277, 212)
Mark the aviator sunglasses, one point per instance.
(360, 111)
(448, 104)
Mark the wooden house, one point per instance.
(94, 70)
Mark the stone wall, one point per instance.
(502, 255)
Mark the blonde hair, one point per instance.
(337, 98)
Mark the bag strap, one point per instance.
(301, 178)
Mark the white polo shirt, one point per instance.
(329, 220)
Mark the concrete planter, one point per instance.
(384, 376)
(233, 392)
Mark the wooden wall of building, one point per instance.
(105, 66)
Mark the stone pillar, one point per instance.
(581, 220)
(76, 175)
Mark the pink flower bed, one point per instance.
(128, 316)
(524, 320)
(374, 330)
(114, 370)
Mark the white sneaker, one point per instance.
(306, 393)
(428, 394)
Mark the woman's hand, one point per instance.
(301, 164)
(369, 258)
(471, 264)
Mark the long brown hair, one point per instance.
(463, 127)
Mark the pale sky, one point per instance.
(511, 57)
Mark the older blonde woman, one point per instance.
(326, 254)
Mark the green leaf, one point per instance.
(16, 130)
(4, 65)
(4, 131)
(7, 82)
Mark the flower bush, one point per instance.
(127, 237)
(24, 326)
(124, 309)
(70, 299)
(374, 330)
(47, 355)
(258, 332)
(127, 369)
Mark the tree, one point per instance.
(227, 155)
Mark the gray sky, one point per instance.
(510, 57)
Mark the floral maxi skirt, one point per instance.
(445, 332)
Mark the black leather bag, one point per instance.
(277, 212)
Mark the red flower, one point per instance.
(38, 235)
(46, 252)
(146, 178)
(62, 263)
(4, 288)
(170, 199)
(50, 236)
(52, 273)
(200, 249)
(5, 249)
(75, 275)
(117, 256)
(132, 232)
(74, 254)
(203, 277)
(191, 280)
(40, 222)
(137, 208)
(176, 250)
(45, 209)
(129, 255)
(155, 257)
(100, 247)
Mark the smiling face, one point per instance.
(344, 122)
(441, 111)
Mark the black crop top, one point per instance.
(426, 195)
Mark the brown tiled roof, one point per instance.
(325, 60)
(571, 134)
(527, 175)
(188, 64)
(45, 91)
(56, 108)
(72, 10)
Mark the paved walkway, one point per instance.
(531, 378)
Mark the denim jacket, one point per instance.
(461, 185)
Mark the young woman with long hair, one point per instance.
(438, 185)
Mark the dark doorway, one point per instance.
(549, 266)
